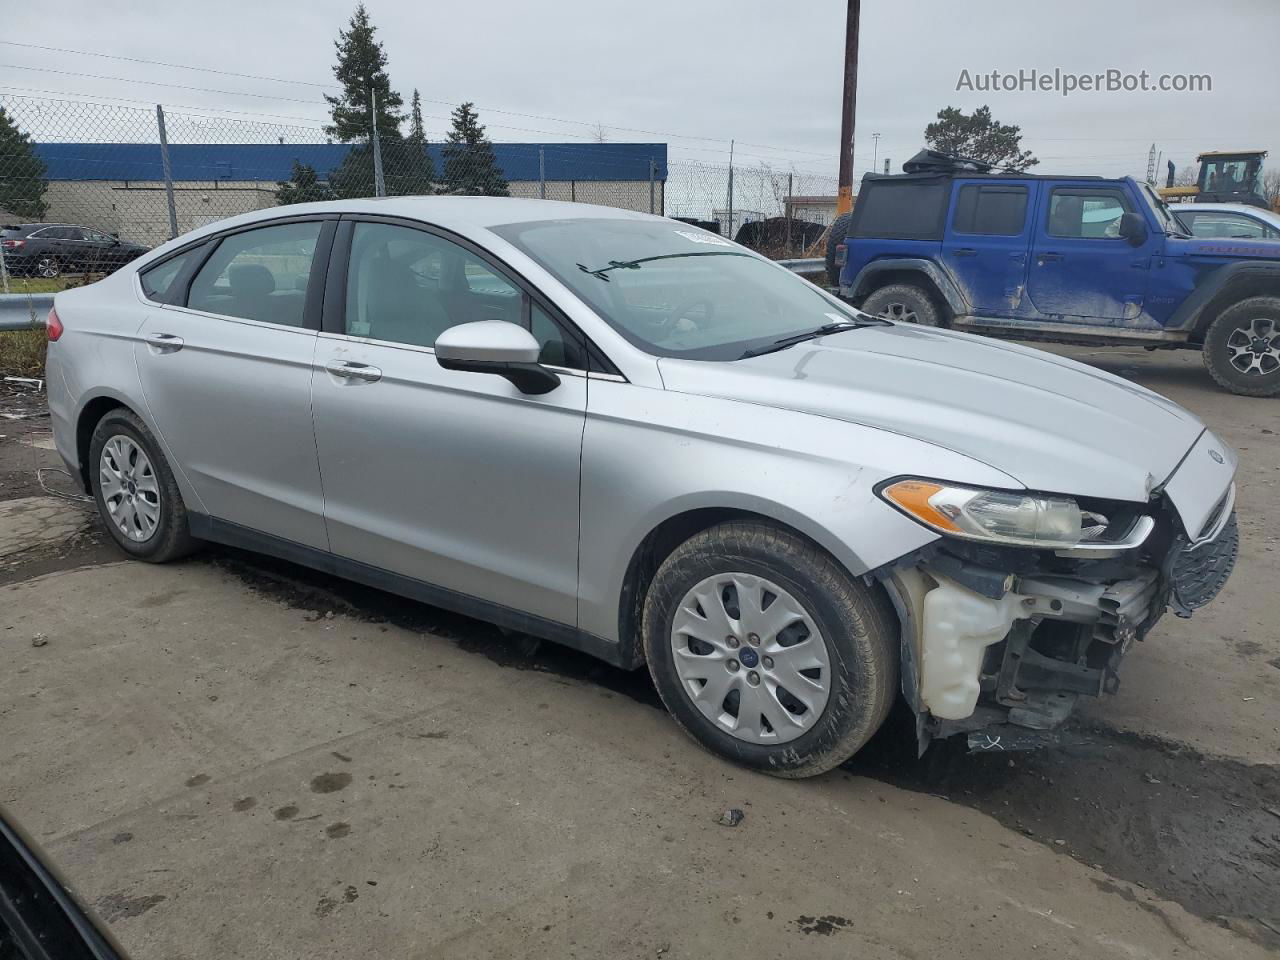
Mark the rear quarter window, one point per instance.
(158, 281)
(904, 210)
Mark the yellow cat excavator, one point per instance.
(1225, 177)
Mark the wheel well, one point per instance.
(660, 543)
(92, 413)
(1231, 294)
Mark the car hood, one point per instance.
(1051, 423)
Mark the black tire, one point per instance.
(904, 302)
(1240, 325)
(860, 631)
(171, 537)
(47, 267)
(836, 236)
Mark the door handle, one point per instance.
(966, 252)
(1046, 257)
(164, 342)
(349, 370)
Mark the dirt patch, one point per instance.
(330, 782)
(119, 906)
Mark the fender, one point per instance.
(1192, 314)
(941, 279)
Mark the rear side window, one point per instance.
(1086, 214)
(901, 211)
(994, 211)
(259, 274)
(158, 281)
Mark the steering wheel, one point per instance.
(684, 308)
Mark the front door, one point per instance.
(1082, 270)
(454, 479)
(227, 380)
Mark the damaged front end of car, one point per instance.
(1001, 639)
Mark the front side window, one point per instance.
(1086, 214)
(674, 290)
(260, 274)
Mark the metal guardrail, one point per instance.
(24, 311)
(806, 266)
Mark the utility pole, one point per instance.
(844, 200)
(379, 184)
(730, 227)
(875, 149)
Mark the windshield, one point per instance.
(1168, 221)
(677, 291)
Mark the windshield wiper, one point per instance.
(599, 272)
(813, 334)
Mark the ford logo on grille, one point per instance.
(1216, 456)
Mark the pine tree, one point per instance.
(978, 136)
(22, 181)
(417, 132)
(407, 166)
(361, 69)
(469, 164)
(303, 186)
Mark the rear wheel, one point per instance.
(766, 652)
(137, 496)
(905, 303)
(1242, 347)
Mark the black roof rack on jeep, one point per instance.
(935, 161)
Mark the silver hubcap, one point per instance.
(1254, 348)
(900, 312)
(129, 488)
(750, 658)
(48, 268)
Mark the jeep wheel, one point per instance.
(905, 303)
(1242, 347)
(836, 237)
(767, 652)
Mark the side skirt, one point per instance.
(204, 527)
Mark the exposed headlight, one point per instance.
(996, 516)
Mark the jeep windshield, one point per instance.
(677, 291)
(1168, 222)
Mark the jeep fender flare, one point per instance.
(939, 279)
(1226, 285)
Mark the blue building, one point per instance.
(119, 187)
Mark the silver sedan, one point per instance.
(634, 437)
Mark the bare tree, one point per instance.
(1271, 186)
(600, 134)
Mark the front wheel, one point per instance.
(1242, 347)
(766, 652)
(48, 267)
(137, 496)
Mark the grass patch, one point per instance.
(22, 352)
(41, 285)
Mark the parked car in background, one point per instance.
(1060, 259)
(50, 249)
(1232, 220)
(647, 442)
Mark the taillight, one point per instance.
(842, 255)
(53, 325)
(13, 244)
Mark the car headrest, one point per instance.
(251, 280)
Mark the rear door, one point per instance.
(986, 245)
(1081, 270)
(226, 372)
(450, 478)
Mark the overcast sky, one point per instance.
(696, 73)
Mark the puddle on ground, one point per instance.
(1203, 832)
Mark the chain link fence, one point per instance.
(135, 177)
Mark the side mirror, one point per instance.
(1133, 228)
(496, 347)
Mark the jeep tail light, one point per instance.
(53, 325)
(842, 255)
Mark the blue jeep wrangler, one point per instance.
(1083, 260)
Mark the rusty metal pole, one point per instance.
(844, 199)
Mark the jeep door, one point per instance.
(1082, 270)
(987, 242)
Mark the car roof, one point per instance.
(1260, 213)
